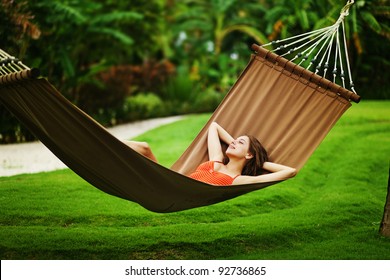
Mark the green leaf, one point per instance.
(116, 34)
(371, 21)
(116, 17)
(68, 11)
(67, 64)
(250, 31)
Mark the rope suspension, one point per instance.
(13, 70)
(10, 64)
(314, 49)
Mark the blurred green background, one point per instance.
(122, 61)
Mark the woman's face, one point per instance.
(239, 148)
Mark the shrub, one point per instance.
(102, 96)
(105, 95)
(11, 130)
(180, 87)
(142, 106)
(151, 76)
(207, 101)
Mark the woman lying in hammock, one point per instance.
(244, 163)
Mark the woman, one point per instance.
(244, 162)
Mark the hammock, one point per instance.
(288, 108)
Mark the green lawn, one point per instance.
(331, 210)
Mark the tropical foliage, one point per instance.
(99, 53)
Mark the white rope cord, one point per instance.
(9, 64)
(335, 59)
(325, 54)
(320, 44)
(329, 53)
(312, 48)
(347, 59)
(326, 37)
(308, 34)
(342, 74)
(310, 41)
(316, 34)
(301, 46)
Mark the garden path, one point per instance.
(34, 157)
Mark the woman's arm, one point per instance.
(216, 134)
(279, 172)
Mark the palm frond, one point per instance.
(195, 24)
(67, 63)
(67, 11)
(276, 13)
(385, 31)
(117, 17)
(114, 33)
(303, 19)
(222, 6)
(371, 21)
(252, 32)
(329, 19)
(383, 11)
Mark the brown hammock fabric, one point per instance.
(290, 110)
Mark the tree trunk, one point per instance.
(385, 224)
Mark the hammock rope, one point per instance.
(10, 64)
(319, 43)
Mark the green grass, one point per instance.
(331, 210)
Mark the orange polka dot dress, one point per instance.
(207, 174)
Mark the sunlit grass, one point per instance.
(331, 210)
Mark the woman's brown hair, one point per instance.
(254, 166)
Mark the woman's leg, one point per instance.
(142, 148)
